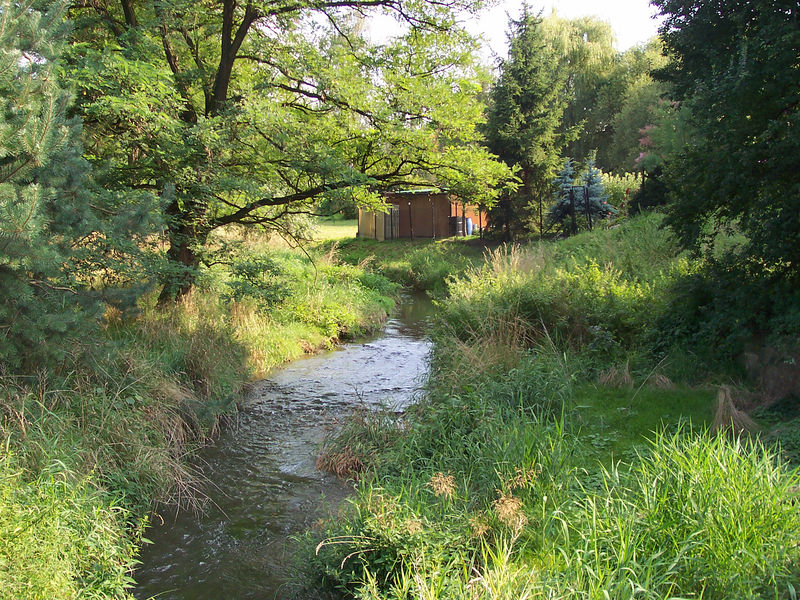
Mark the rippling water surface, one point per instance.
(265, 488)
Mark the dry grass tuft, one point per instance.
(413, 526)
(513, 259)
(478, 526)
(509, 510)
(728, 417)
(617, 378)
(499, 345)
(661, 382)
(344, 463)
(443, 485)
(523, 478)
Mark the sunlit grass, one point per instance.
(552, 455)
(335, 229)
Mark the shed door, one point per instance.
(392, 223)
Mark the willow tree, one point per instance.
(250, 113)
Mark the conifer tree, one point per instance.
(526, 110)
(55, 232)
(594, 203)
(562, 186)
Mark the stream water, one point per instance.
(264, 488)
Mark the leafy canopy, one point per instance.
(736, 66)
(255, 113)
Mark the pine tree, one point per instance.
(594, 203)
(563, 185)
(526, 110)
(54, 229)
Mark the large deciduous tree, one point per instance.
(253, 112)
(526, 109)
(736, 66)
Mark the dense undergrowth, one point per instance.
(563, 449)
(92, 444)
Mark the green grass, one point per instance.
(520, 475)
(92, 445)
(423, 264)
(487, 490)
(335, 229)
(615, 423)
(62, 538)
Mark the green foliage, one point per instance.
(488, 488)
(717, 310)
(596, 291)
(586, 57)
(61, 537)
(41, 205)
(232, 126)
(621, 189)
(60, 235)
(734, 66)
(595, 202)
(128, 409)
(562, 188)
(260, 278)
(525, 112)
(641, 108)
(695, 515)
(421, 264)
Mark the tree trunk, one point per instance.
(184, 238)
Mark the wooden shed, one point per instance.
(419, 213)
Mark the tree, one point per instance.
(563, 190)
(594, 204)
(734, 65)
(253, 113)
(592, 87)
(525, 112)
(589, 200)
(58, 233)
(42, 210)
(641, 105)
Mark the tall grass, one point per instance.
(597, 294)
(93, 444)
(518, 476)
(62, 538)
(474, 496)
(425, 265)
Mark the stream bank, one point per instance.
(264, 487)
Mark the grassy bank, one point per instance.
(90, 446)
(422, 264)
(563, 450)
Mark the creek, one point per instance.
(263, 487)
